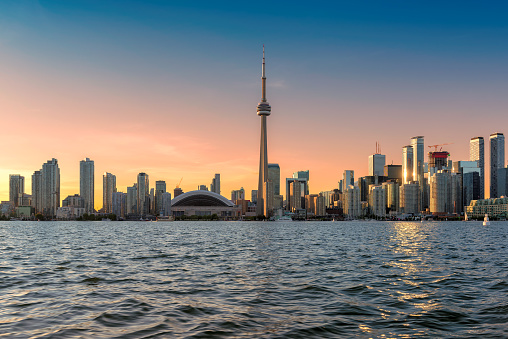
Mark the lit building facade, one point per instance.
(477, 153)
(16, 188)
(409, 195)
(50, 175)
(352, 207)
(274, 176)
(143, 194)
(377, 200)
(376, 164)
(108, 188)
(407, 164)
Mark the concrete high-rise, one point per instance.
(160, 189)
(264, 110)
(496, 160)
(407, 164)
(477, 153)
(132, 199)
(348, 178)
(86, 183)
(143, 194)
(377, 164)
(16, 188)
(108, 188)
(50, 188)
(303, 175)
(37, 191)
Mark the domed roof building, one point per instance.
(204, 203)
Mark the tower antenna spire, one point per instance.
(263, 78)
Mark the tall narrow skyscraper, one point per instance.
(50, 187)
(108, 188)
(86, 183)
(496, 160)
(418, 164)
(477, 153)
(16, 188)
(143, 194)
(407, 164)
(263, 110)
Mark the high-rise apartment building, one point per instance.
(50, 187)
(16, 188)
(407, 164)
(274, 176)
(86, 183)
(377, 200)
(119, 204)
(290, 203)
(295, 196)
(408, 198)
(377, 164)
(418, 167)
(37, 191)
(143, 194)
(215, 185)
(108, 188)
(352, 207)
(496, 160)
(477, 153)
(132, 200)
(160, 189)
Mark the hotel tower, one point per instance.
(263, 110)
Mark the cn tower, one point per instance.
(264, 110)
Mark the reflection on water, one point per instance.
(218, 279)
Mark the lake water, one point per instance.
(253, 279)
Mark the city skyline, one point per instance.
(153, 110)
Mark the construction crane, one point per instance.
(436, 146)
(178, 185)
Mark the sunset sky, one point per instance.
(170, 88)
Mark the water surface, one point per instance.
(253, 279)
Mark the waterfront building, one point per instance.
(290, 197)
(274, 176)
(204, 203)
(7, 208)
(418, 168)
(237, 195)
(215, 185)
(496, 160)
(166, 204)
(352, 207)
(50, 175)
(119, 204)
(391, 189)
(377, 164)
(320, 205)
(445, 192)
(494, 208)
(263, 110)
(365, 182)
(37, 191)
(348, 178)
(407, 164)
(303, 175)
(394, 172)
(409, 195)
(16, 188)
(87, 184)
(294, 198)
(502, 182)
(160, 189)
(74, 201)
(269, 197)
(143, 194)
(377, 200)
(132, 199)
(69, 212)
(477, 153)
(108, 188)
(310, 203)
(470, 180)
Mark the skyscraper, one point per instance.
(86, 183)
(303, 175)
(160, 189)
(274, 176)
(407, 164)
(477, 153)
(215, 185)
(50, 187)
(377, 164)
(37, 191)
(143, 194)
(16, 188)
(263, 110)
(418, 163)
(108, 188)
(132, 199)
(496, 160)
(348, 178)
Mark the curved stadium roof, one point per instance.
(201, 198)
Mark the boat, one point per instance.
(486, 221)
(284, 218)
(168, 218)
